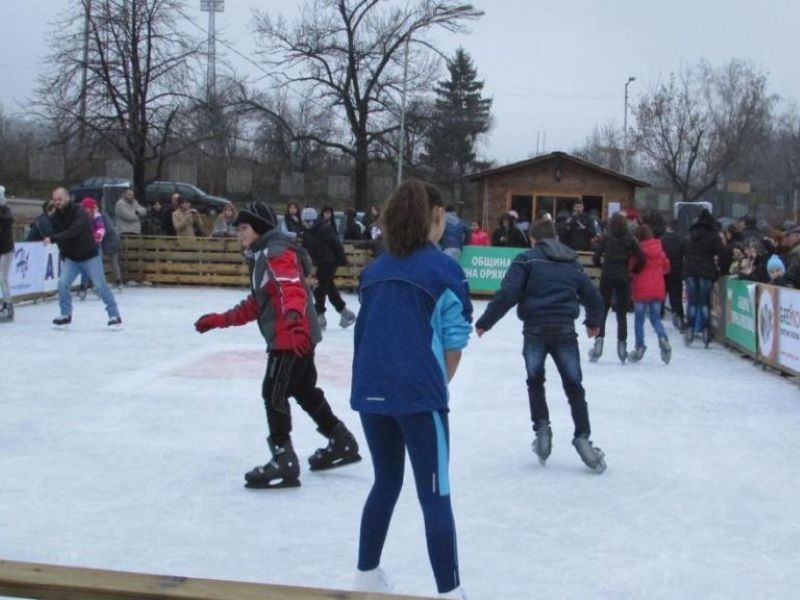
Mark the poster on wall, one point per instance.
(779, 327)
(35, 269)
(740, 321)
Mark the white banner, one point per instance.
(789, 328)
(35, 268)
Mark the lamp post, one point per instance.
(402, 144)
(212, 7)
(625, 129)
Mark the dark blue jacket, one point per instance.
(413, 309)
(547, 283)
(456, 233)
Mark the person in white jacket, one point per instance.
(129, 214)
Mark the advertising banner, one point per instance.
(35, 269)
(486, 266)
(718, 311)
(740, 321)
(779, 327)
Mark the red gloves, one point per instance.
(211, 321)
(299, 335)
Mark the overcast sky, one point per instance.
(555, 67)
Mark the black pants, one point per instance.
(291, 375)
(619, 284)
(327, 288)
(674, 285)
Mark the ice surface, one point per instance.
(126, 450)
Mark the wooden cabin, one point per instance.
(550, 183)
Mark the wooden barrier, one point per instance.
(50, 582)
(207, 261)
(593, 272)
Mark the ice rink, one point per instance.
(126, 450)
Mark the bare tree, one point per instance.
(349, 54)
(695, 126)
(603, 147)
(121, 69)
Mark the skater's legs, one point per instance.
(623, 291)
(387, 448)
(535, 352)
(70, 270)
(303, 386)
(606, 288)
(94, 269)
(5, 267)
(325, 275)
(563, 348)
(674, 285)
(427, 440)
(274, 391)
(654, 314)
(639, 310)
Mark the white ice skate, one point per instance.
(374, 580)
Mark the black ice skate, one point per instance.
(115, 324)
(342, 449)
(637, 353)
(543, 442)
(281, 472)
(7, 313)
(597, 350)
(666, 350)
(347, 318)
(622, 351)
(62, 321)
(592, 457)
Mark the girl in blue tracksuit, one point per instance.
(414, 320)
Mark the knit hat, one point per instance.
(775, 264)
(513, 214)
(309, 214)
(89, 204)
(259, 216)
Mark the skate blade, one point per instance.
(115, 328)
(340, 463)
(273, 484)
(600, 467)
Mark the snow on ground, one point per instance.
(126, 451)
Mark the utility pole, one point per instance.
(212, 7)
(402, 145)
(87, 7)
(625, 129)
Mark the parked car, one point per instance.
(93, 186)
(202, 202)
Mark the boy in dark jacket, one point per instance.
(281, 303)
(327, 254)
(548, 283)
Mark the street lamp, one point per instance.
(625, 129)
(212, 7)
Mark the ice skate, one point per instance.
(342, 449)
(456, 594)
(374, 580)
(281, 472)
(115, 323)
(61, 321)
(666, 349)
(7, 313)
(688, 337)
(637, 353)
(347, 318)
(677, 322)
(323, 322)
(543, 442)
(597, 350)
(592, 457)
(622, 351)
(706, 336)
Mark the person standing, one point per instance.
(413, 323)
(327, 253)
(674, 245)
(648, 291)
(80, 253)
(292, 225)
(281, 303)
(699, 272)
(548, 283)
(619, 253)
(507, 235)
(42, 225)
(478, 237)
(456, 234)
(580, 229)
(6, 257)
(186, 220)
(129, 213)
(224, 224)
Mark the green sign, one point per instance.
(740, 322)
(486, 266)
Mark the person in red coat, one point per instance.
(648, 292)
(478, 237)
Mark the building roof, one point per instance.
(555, 155)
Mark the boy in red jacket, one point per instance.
(281, 303)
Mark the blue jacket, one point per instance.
(547, 283)
(412, 310)
(456, 233)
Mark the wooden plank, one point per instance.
(50, 582)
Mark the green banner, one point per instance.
(486, 266)
(740, 322)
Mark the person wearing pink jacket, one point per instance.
(647, 292)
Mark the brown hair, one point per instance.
(408, 216)
(543, 229)
(618, 223)
(643, 232)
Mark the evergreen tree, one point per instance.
(460, 115)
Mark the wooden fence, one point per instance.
(50, 582)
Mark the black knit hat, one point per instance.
(259, 216)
